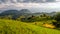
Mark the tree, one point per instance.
(57, 18)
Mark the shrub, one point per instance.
(57, 18)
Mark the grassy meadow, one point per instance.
(20, 22)
(18, 27)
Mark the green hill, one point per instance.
(17, 27)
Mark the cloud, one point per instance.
(2, 6)
(26, 1)
(38, 5)
(32, 5)
(58, 0)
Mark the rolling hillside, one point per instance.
(15, 12)
(17, 27)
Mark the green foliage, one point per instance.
(32, 18)
(6, 17)
(57, 18)
(17, 27)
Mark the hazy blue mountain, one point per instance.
(8, 12)
(25, 11)
(15, 13)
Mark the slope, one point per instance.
(17, 27)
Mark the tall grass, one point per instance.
(17, 27)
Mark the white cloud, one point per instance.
(2, 6)
(33, 5)
(57, 0)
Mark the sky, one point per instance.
(42, 4)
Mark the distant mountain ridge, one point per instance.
(23, 12)
(15, 13)
(9, 12)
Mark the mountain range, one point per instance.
(23, 12)
(15, 13)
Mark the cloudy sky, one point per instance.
(47, 4)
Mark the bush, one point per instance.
(57, 18)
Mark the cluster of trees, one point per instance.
(28, 18)
(57, 18)
(32, 18)
(44, 17)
